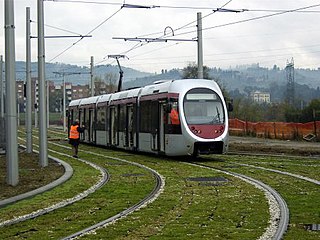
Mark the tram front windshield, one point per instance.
(203, 106)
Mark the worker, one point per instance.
(74, 137)
(174, 116)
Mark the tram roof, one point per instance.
(157, 87)
(89, 100)
(103, 99)
(75, 102)
(132, 93)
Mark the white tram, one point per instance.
(174, 118)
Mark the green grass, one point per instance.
(301, 196)
(185, 209)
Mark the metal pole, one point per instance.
(11, 100)
(43, 141)
(28, 86)
(64, 104)
(91, 75)
(47, 106)
(200, 48)
(1, 89)
(18, 114)
(36, 104)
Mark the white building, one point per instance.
(260, 97)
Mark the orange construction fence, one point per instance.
(278, 130)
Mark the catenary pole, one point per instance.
(91, 77)
(11, 101)
(43, 142)
(28, 85)
(36, 102)
(1, 89)
(64, 103)
(200, 48)
(47, 106)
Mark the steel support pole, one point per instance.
(43, 141)
(64, 104)
(28, 85)
(11, 100)
(91, 76)
(1, 89)
(200, 48)
(48, 101)
(36, 102)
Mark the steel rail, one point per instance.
(102, 181)
(157, 190)
(282, 224)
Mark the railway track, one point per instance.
(279, 211)
(158, 188)
(103, 180)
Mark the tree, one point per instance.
(311, 112)
(191, 71)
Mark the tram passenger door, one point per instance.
(155, 140)
(113, 126)
(129, 141)
(91, 126)
(82, 122)
(162, 120)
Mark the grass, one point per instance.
(301, 196)
(185, 210)
(31, 174)
(189, 210)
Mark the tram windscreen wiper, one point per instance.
(218, 114)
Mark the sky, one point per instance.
(267, 32)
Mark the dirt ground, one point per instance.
(261, 145)
(31, 174)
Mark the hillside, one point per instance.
(239, 81)
(81, 75)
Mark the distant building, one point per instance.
(260, 97)
(80, 91)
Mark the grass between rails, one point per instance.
(185, 209)
(120, 193)
(301, 196)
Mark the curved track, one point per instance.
(151, 197)
(278, 208)
(103, 180)
(159, 185)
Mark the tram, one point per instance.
(171, 117)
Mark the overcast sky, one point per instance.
(226, 43)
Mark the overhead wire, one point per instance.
(95, 28)
(138, 45)
(58, 28)
(174, 7)
(177, 29)
(252, 19)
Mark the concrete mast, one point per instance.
(200, 48)
(43, 141)
(11, 100)
(28, 84)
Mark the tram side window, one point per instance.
(74, 115)
(101, 119)
(174, 113)
(86, 120)
(145, 120)
(122, 118)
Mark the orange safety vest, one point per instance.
(174, 116)
(74, 134)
